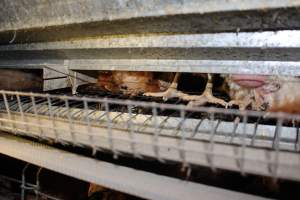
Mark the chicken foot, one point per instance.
(242, 104)
(194, 100)
(205, 97)
(251, 99)
(171, 92)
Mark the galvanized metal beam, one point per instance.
(35, 21)
(263, 46)
(262, 40)
(25, 14)
(191, 66)
(288, 68)
(128, 180)
(254, 52)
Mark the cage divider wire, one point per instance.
(83, 129)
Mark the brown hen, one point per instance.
(134, 83)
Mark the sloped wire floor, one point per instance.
(248, 142)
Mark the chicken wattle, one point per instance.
(249, 81)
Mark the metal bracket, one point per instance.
(60, 76)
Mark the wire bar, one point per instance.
(255, 145)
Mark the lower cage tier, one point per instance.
(21, 180)
(136, 182)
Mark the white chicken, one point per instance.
(271, 93)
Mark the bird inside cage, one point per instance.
(261, 92)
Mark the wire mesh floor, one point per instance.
(249, 142)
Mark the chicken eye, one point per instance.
(264, 106)
(275, 87)
(124, 87)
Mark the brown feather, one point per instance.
(133, 83)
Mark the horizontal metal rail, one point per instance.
(135, 182)
(288, 68)
(17, 15)
(261, 40)
(246, 53)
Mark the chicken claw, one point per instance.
(168, 94)
(171, 92)
(205, 97)
(194, 100)
(242, 104)
(247, 100)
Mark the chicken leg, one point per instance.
(205, 97)
(194, 100)
(171, 92)
(242, 104)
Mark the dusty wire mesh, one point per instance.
(27, 189)
(247, 141)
